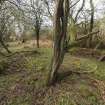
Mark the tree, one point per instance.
(60, 34)
(4, 19)
(34, 11)
(73, 17)
(91, 23)
(49, 7)
(37, 12)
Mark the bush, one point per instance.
(3, 66)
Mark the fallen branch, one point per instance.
(87, 36)
(19, 52)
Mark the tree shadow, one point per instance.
(61, 76)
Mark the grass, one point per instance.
(17, 88)
(86, 64)
(27, 86)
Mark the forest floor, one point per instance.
(24, 73)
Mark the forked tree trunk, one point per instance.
(60, 31)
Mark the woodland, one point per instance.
(52, 52)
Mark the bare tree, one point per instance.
(48, 6)
(80, 9)
(36, 11)
(74, 15)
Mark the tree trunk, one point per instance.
(37, 38)
(89, 41)
(60, 31)
(37, 29)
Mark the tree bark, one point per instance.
(91, 23)
(60, 31)
(37, 38)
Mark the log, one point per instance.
(79, 39)
(87, 36)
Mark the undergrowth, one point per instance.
(28, 85)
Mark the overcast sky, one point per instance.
(98, 4)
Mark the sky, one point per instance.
(98, 9)
(98, 4)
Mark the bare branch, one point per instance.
(83, 3)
